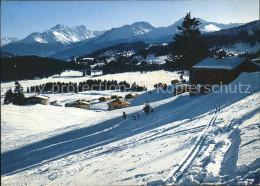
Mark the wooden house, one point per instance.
(104, 99)
(38, 99)
(182, 89)
(176, 81)
(79, 104)
(117, 104)
(160, 85)
(129, 96)
(114, 97)
(213, 71)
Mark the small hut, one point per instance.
(129, 96)
(79, 104)
(104, 99)
(117, 104)
(114, 97)
(38, 99)
(176, 81)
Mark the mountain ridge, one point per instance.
(61, 34)
(63, 42)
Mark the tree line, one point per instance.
(61, 87)
(16, 97)
(31, 67)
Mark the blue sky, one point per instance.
(20, 18)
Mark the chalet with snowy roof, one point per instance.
(220, 71)
(38, 99)
(79, 104)
(117, 104)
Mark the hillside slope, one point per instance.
(211, 138)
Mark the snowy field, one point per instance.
(147, 79)
(151, 59)
(211, 138)
(239, 48)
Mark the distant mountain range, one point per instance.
(250, 28)
(50, 41)
(63, 42)
(240, 39)
(8, 40)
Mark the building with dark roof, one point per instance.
(220, 71)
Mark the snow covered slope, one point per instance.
(241, 47)
(211, 138)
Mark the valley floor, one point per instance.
(211, 138)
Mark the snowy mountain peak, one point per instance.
(143, 27)
(143, 24)
(8, 40)
(60, 34)
(126, 32)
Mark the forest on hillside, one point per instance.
(31, 67)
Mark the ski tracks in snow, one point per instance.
(179, 171)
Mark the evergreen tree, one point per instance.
(18, 96)
(18, 87)
(188, 47)
(9, 97)
(89, 71)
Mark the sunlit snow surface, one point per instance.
(211, 138)
(211, 28)
(147, 79)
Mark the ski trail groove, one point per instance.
(188, 160)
